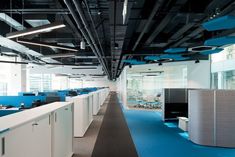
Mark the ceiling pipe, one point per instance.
(83, 31)
(156, 7)
(93, 25)
(84, 21)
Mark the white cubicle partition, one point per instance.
(90, 101)
(103, 94)
(211, 117)
(43, 131)
(99, 97)
(82, 114)
(96, 106)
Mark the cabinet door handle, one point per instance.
(3, 146)
(66, 109)
(35, 124)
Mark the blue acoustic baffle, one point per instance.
(220, 23)
(177, 57)
(208, 52)
(133, 61)
(175, 50)
(152, 58)
(228, 40)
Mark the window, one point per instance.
(229, 79)
(3, 89)
(214, 80)
(223, 69)
(39, 82)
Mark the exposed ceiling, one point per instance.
(150, 27)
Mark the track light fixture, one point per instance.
(47, 45)
(35, 30)
(116, 46)
(82, 45)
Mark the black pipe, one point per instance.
(84, 21)
(156, 7)
(83, 31)
(114, 31)
(94, 27)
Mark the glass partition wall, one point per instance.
(223, 69)
(144, 87)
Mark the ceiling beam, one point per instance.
(165, 21)
(230, 5)
(147, 24)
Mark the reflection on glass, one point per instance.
(229, 79)
(214, 80)
(144, 88)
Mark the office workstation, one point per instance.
(119, 78)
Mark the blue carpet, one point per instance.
(153, 138)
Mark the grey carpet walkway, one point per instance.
(114, 138)
(84, 146)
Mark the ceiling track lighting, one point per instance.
(82, 45)
(46, 45)
(35, 30)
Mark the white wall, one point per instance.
(83, 83)
(17, 79)
(14, 75)
(106, 83)
(199, 74)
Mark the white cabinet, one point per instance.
(62, 132)
(2, 144)
(90, 112)
(82, 114)
(30, 139)
(96, 106)
(44, 131)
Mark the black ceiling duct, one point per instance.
(83, 27)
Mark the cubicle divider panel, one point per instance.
(225, 119)
(90, 103)
(174, 103)
(176, 95)
(96, 106)
(201, 117)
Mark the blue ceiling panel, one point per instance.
(228, 40)
(208, 52)
(220, 23)
(152, 58)
(175, 50)
(133, 61)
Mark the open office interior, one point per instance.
(117, 78)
